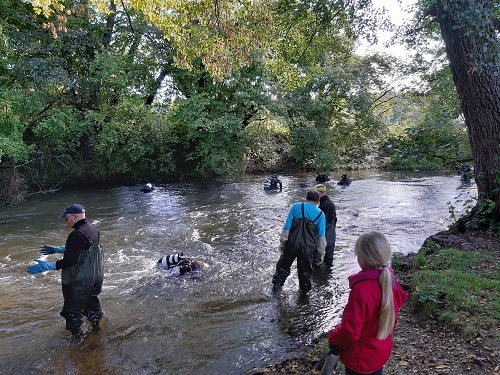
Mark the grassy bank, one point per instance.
(455, 285)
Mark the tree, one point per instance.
(469, 30)
(292, 36)
(229, 34)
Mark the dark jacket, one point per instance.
(82, 255)
(328, 208)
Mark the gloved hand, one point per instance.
(334, 349)
(49, 249)
(282, 247)
(41, 267)
(319, 259)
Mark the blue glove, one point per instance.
(48, 249)
(41, 266)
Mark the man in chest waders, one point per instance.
(82, 270)
(303, 232)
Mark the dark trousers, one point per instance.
(351, 372)
(304, 268)
(79, 302)
(330, 237)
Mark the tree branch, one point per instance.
(128, 16)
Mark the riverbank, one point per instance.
(430, 346)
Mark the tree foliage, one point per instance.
(428, 129)
(228, 35)
(470, 34)
(130, 90)
(131, 142)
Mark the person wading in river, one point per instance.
(303, 232)
(82, 270)
(328, 208)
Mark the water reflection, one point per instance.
(223, 322)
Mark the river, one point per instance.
(225, 321)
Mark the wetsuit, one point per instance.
(344, 181)
(81, 276)
(177, 265)
(272, 184)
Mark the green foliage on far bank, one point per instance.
(459, 288)
(80, 108)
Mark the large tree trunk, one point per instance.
(479, 93)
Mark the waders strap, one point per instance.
(317, 217)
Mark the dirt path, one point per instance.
(427, 348)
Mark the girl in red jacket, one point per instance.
(364, 337)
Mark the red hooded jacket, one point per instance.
(356, 335)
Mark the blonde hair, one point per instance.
(373, 250)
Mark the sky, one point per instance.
(398, 16)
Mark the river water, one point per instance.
(225, 321)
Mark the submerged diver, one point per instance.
(148, 188)
(177, 265)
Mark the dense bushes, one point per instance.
(79, 107)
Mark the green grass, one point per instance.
(459, 289)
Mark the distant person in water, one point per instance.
(272, 183)
(344, 180)
(322, 177)
(148, 188)
(465, 172)
(178, 265)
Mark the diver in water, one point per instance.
(178, 264)
(344, 180)
(465, 172)
(149, 187)
(322, 177)
(272, 183)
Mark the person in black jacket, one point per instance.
(328, 208)
(82, 270)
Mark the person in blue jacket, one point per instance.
(303, 232)
(82, 270)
